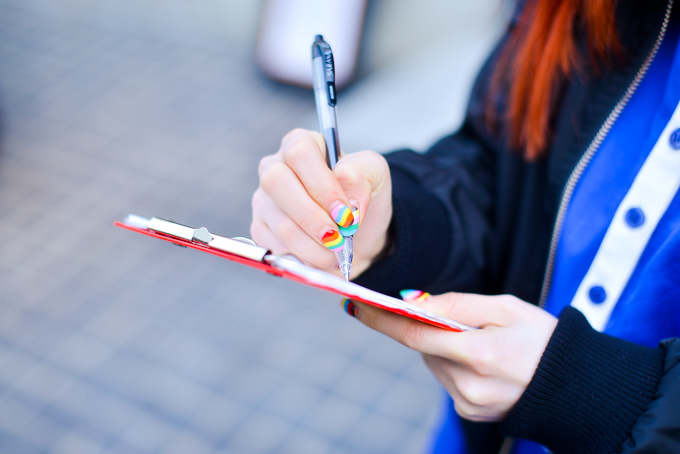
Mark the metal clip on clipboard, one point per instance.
(240, 246)
(245, 251)
(243, 247)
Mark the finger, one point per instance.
(360, 175)
(284, 189)
(259, 230)
(443, 371)
(407, 331)
(263, 236)
(472, 309)
(291, 237)
(477, 397)
(461, 347)
(469, 393)
(267, 237)
(304, 152)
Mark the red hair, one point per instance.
(540, 54)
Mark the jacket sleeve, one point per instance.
(658, 429)
(594, 393)
(442, 202)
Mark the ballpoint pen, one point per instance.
(323, 69)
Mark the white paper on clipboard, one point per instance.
(323, 279)
(246, 252)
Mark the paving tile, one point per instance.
(293, 400)
(302, 441)
(119, 446)
(418, 372)
(11, 443)
(115, 372)
(409, 402)
(80, 353)
(333, 417)
(46, 384)
(418, 441)
(165, 391)
(72, 443)
(376, 433)
(14, 322)
(186, 442)
(6, 353)
(147, 432)
(389, 356)
(14, 412)
(183, 352)
(55, 412)
(351, 338)
(260, 433)
(252, 383)
(214, 371)
(219, 417)
(283, 353)
(98, 408)
(363, 384)
(323, 369)
(18, 365)
(116, 325)
(42, 337)
(42, 431)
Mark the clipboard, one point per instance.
(246, 252)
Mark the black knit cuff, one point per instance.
(421, 237)
(588, 391)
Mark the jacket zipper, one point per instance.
(576, 174)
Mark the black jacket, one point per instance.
(472, 216)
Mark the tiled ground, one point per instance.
(111, 342)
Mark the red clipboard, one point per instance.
(283, 267)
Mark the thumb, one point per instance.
(471, 309)
(362, 176)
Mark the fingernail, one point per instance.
(333, 240)
(342, 215)
(349, 307)
(352, 229)
(413, 295)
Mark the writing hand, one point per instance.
(301, 203)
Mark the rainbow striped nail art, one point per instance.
(414, 295)
(352, 229)
(342, 216)
(333, 240)
(349, 307)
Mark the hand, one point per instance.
(299, 196)
(486, 370)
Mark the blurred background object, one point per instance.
(283, 49)
(111, 342)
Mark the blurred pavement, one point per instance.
(111, 342)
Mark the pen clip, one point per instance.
(321, 49)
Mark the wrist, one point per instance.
(588, 391)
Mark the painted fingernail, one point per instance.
(352, 229)
(349, 307)
(342, 215)
(413, 295)
(333, 240)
